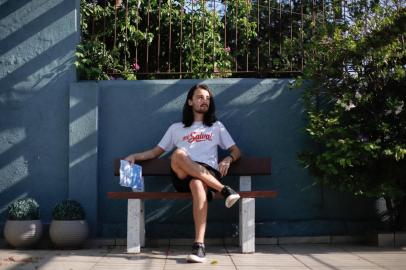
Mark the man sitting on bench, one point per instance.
(194, 163)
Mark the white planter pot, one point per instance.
(68, 233)
(22, 233)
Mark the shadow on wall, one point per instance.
(38, 40)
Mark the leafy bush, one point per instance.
(356, 104)
(23, 209)
(68, 210)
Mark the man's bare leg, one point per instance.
(184, 166)
(198, 189)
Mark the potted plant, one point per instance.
(23, 227)
(69, 228)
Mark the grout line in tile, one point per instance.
(229, 255)
(362, 258)
(296, 258)
(100, 259)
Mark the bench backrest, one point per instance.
(246, 166)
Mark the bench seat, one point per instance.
(244, 168)
(158, 195)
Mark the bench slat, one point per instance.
(183, 195)
(246, 166)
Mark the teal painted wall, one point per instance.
(58, 141)
(37, 45)
(265, 118)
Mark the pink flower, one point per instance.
(227, 49)
(135, 66)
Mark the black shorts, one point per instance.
(182, 185)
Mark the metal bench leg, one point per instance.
(135, 226)
(247, 218)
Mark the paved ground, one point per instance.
(283, 257)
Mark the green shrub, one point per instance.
(355, 102)
(356, 106)
(68, 210)
(23, 209)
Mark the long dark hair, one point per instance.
(209, 117)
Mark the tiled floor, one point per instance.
(272, 257)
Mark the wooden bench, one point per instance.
(245, 168)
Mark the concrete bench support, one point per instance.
(135, 226)
(247, 218)
(245, 168)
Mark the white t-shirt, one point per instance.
(198, 141)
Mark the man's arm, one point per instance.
(149, 154)
(234, 155)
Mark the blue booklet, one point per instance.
(131, 176)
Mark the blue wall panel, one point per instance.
(265, 118)
(37, 46)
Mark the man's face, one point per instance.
(200, 101)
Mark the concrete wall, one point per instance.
(264, 117)
(57, 144)
(37, 45)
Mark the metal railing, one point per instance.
(197, 38)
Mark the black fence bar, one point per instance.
(269, 32)
(116, 6)
(236, 36)
(301, 36)
(280, 27)
(125, 32)
(170, 36)
(135, 65)
(203, 36)
(181, 38)
(225, 25)
(159, 37)
(193, 36)
(258, 34)
(147, 34)
(246, 35)
(291, 33)
(212, 34)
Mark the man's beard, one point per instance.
(202, 110)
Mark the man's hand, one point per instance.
(131, 158)
(150, 154)
(224, 165)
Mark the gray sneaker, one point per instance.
(198, 254)
(230, 195)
